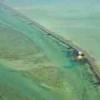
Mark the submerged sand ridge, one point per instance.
(79, 23)
(50, 72)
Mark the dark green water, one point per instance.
(33, 66)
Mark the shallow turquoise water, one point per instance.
(76, 80)
(75, 20)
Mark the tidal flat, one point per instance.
(34, 66)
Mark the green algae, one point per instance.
(35, 67)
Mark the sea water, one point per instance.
(35, 66)
(75, 20)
